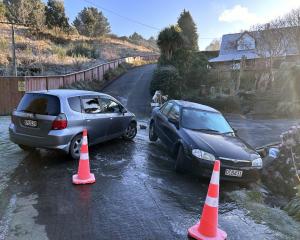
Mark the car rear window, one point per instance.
(75, 104)
(38, 103)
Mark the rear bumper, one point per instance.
(56, 139)
(204, 168)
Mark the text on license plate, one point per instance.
(30, 123)
(233, 173)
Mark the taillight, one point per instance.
(60, 122)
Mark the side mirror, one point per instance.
(235, 131)
(174, 121)
(123, 110)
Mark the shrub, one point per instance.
(167, 80)
(114, 73)
(60, 51)
(84, 50)
(3, 44)
(229, 104)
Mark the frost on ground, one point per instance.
(255, 202)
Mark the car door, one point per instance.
(118, 121)
(97, 121)
(162, 121)
(170, 129)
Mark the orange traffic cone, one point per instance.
(207, 228)
(84, 176)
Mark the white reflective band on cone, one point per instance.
(84, 140)
(84, 156)
(215, 178)
(212, 202)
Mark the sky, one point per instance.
(212, 17)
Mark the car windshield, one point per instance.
(204, 121)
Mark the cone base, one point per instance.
(77, 181)
(194, 233)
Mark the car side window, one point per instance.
(165, 109)
(75, 104)
(175, 112)
(91, 105)
(109, 106)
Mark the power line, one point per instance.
(122, 16)
(133, 20)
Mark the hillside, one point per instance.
(52, 52)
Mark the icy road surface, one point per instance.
(137, 194)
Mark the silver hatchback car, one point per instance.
(55, 119)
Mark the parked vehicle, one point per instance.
(198, 135)
(55, 119)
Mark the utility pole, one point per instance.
(13, 49)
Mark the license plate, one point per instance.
(30, 123)
(233, 173)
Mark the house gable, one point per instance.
(245, 42)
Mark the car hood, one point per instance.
(223, 146)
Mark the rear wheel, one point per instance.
(180, 160)
(75, 147)
(130, 132)
(26, 148)
(152, 134)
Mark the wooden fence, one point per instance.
(13, 88)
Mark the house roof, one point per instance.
(229, 52)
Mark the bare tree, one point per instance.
(214, 45)
(292, 22)
(271, 43)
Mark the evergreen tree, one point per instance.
(27, 12)
(136, 37)
(55, 15)
(91, 22)
(169, 41)
(189, 30)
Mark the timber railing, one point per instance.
(13, 88)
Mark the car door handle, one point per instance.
(88, 120)
(111, 118)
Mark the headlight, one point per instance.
(203, 155)
(257, 162)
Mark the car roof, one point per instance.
(187, 104)
(69, 92)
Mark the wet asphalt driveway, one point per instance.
(137, 194)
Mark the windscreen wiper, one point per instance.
(27, 111)
(206, 130)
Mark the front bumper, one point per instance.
(56, 139)
(204, 168)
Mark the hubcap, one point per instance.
(131, 131)
(151, 130)
(77, 146)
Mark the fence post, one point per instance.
(47, 84)
(64, 84)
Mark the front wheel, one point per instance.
(130, 132)
(180, 160)
(26, 148)
(152, 134)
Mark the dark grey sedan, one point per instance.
(55, 119)
(198, 135)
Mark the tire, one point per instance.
(75, 146)
(152, 134)
(180, 160)
(130, 131)
(26, 148)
